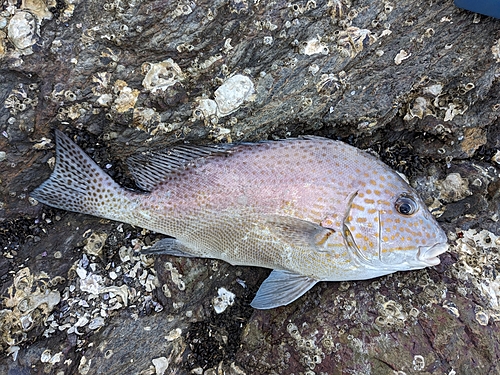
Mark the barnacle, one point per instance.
(95, 244)
(402, 55)
(388, 7)
(354, 40)
(429, 32)
(313, 46)
(482, 317)
(227, 98)
(418, 363)
(224, 299)
(162, 75)
(451, 308)
(183, 9)
(22, 31)
(337, 8)
(453, 188)
(28, 304)
(495, 50)
(126, 98)
(420, 108)
(268, 40)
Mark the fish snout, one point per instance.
(430, 255)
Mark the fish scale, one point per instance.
(310, 208)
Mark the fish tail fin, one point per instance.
(78, 184)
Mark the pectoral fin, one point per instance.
(297, 232)
(281, 288)
(169, 246)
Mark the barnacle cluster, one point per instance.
(162, 75)
(21, 99)
(311, 353)
(453, 188)
(433, 100)
(353, 40)
(392, 313)
(329, 83)
(28, 303)
(176, 279)
(126, 97)
(94, 291)
(478, 260)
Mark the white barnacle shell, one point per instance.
(206, 108)
(402, 55)
(162, 75)
(495, 50)
(161, 365)
(22, 29)
(127, 96)
(224, 299)
(433, 90)
(233, 93)
(314, 46)
(418, 363)
(496, 158)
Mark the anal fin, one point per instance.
(281, 288)
(169, 246)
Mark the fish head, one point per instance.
(392, 229)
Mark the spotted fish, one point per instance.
(309, 208)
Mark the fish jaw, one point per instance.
(429, 255)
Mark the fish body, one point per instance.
(311, 209)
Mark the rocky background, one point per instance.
(416, 82)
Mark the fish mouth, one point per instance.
(429, 255)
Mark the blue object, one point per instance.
(487, 7)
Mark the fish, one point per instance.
(309, 208)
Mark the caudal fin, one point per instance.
(78, 184)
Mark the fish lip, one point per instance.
(430, 254)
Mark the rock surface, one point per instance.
(415, 82)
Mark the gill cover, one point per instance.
(361, 229)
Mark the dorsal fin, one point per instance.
(151, 168)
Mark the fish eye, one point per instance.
(406, 205)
